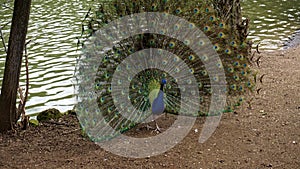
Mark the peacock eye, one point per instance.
(177, 27)
(204, 58)
(154, 6)
(233, 87)
(107, 75)
(178, 11)
(196, 10)
(236, 63)
(106, 57)
(162, 32)
(118, 68)
(186, 42)
(243, 73)
(191, 57)
(216, 47)
(192, 71)
(164, 62)
(131, 50)
(204, 72)
(152, 42)
(216, 78)
(192, 25)
(206, 28)
(219, 65)
(201, 43)
(189, 81)
(172, 45)
(102, 99)
(228, 51)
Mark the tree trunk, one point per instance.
(10, 83)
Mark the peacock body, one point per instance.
(145, 83)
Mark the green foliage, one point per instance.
(48, 115)
(33, 122)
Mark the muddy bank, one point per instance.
(265, 136)
(293, 41)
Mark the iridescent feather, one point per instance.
(232, 51)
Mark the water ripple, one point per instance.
(54, 26)
(272, 22)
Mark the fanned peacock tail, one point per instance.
(233, 52)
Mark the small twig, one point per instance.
(3, 42)
(69, 132)
(23, 99)
(257, 46)
(251, 59)
(249, 103)
(4, 6)
(20, 110)
(82, 27)
(27, 76)
(261, 78)
(258, 61)
(258, 90)
(58, 123)
(5, 24)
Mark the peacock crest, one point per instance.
(232, 50)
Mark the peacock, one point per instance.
(156, 99)
(150, 73)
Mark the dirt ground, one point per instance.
(267, 135)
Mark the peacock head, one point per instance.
(163, 82)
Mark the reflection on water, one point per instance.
(272, 22)
(54, 26)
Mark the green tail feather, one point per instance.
(232, 51)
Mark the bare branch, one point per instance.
(5, 24)
(3, 42)
(7, 7)
(19, 110)
(27, 80)
(23, 98)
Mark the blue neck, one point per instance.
(162, 86)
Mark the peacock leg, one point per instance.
(158, 130)
(149, 127)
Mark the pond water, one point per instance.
(54, 26)
(272, 22)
